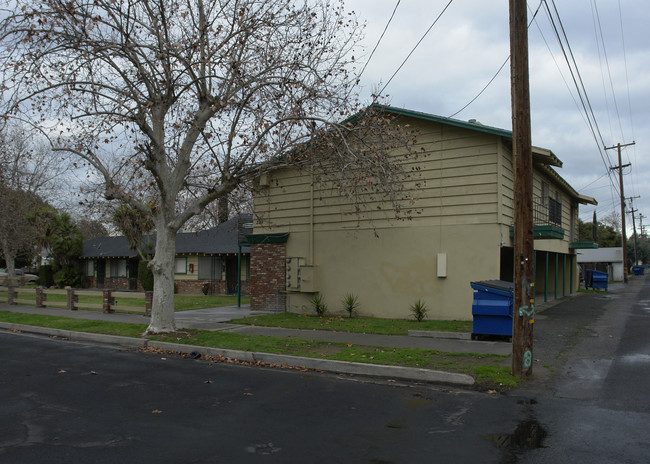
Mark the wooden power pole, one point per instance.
(524, 291)
(620, 181)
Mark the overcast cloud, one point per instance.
(470, 42)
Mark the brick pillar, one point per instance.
(107, 301)
(148, 302)
(72, 299)
(41, 298)
(268, 276)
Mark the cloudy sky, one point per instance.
(609, 39)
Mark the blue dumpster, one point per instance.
(638, 270)
(596, 279)
(492, 308)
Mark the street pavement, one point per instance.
(557, 325)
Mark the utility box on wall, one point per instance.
(442, 264)
(300, 277)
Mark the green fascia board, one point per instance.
(443, 120)
(281, 237)
(543, 232)
(583, 245)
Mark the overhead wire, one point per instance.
(413, 50)
(379, 40)
(495, 74)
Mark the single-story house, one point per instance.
(609, 260)
(206, 260)
(309, 240)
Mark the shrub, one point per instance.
(318, 302)
(68, 277)
(45, 276)
(419, 310)
(145, 276)
(351, 304)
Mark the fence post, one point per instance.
(72, 299)
(41, 298)
(148, 302)
(107, 301)
(12, 294)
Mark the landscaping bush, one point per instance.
(45, 276)
(68, 277)
(145, 276)
(419, 310)
(318, 302)
(351, 304)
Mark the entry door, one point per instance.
(101, 272)
(231, 275)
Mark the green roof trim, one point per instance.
(477, 126)
(267, 238)
(543, 232)
(593, 245)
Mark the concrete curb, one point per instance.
(443, 335)
(341, 367)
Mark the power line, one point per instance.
(380, 37)
(413, 49)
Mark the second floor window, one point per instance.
(555, 210)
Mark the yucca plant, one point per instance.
(351, 304)
(318, 302)
(419, 310)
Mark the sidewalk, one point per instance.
(556, 323)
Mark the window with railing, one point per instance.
(554, 211)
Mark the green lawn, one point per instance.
(355, 324)
(181, 302)
(488, 370)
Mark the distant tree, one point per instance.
(176, 104)
(90, 228)
(607, 236)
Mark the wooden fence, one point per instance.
(109, 299)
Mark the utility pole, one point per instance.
(641, 217)
(524, 291)
(632, 211)
(620, 180)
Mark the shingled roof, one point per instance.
(223, 239)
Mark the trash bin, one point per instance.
(492, 308)
(597, 280)
(638, 270)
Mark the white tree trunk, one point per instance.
(162, 266)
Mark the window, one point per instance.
(545, 195)
(118, 267)
(180, 266)
(555, 210)
(209, 268)
(89, 268)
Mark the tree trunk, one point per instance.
(10, 260)
(162, 266)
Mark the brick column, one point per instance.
(148, 302)
(107, 301)
(268, 276)
(41, 298)
(72, 299)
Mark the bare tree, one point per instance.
(28, 170)
(176, 104)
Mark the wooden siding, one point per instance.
(459, 184)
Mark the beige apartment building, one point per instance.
(307, 241)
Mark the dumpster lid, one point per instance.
(502, 285)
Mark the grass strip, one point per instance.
(488, 370)
(181, 302)
(354, 325)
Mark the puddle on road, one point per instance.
(528, 435)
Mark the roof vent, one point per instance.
(474, 121)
